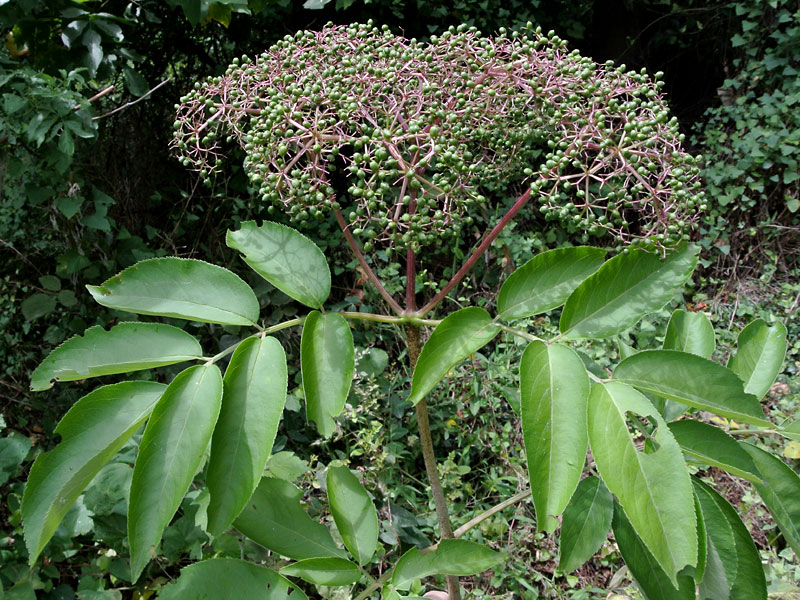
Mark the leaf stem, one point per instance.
(262, 331)
(758, 432)
(519, 333)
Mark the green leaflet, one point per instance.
(546, 281)
(324, 571)
(123, 348)
(92, 431)
(653, 488)
(460, 334)
(287, 259)
(252, 404)
(690, 332)
(554, 389)
(274, 518)
(180, 287)
(172, 448)
(451, 557)
(586, 522)
(230, 579)
(354, 513)
(714, 447)
(759, 356)
(626, 288)
(692, 380)
(327, 362)
(734, 570)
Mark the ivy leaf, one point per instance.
(554, 389)
(460, 334)
(123, 348)
(586, 522)
(182, 288)
(451, 557)
(252, 404)
(653, 487)
(172, 448)
(760, 350)
(626, 288)
(324, 571)
(286, 258)
(92, 431)
(353, 512)
(713, 446)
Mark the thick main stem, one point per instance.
(414, 347)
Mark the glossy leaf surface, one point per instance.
(451, 557)
(690, 332)
(254, 394)
(653, 488)
(327, 362)
(460, 334)
(554, 389)
(714, 447)
(92, 431)
(586, 522)
(286, 258)
(180, 287)
(170, 454)
(759, 356)
(324, 571)
(353, 512)
(274, 518)
(123, 348)
(546, 281)
(626, 288)
(691, 380)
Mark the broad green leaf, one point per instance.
(691, 380)
(651, 578)
(274, 518)
(38, 305)
(791, 430)
(690, 332)
(123, 348)
(180, 287)
(451, 557)
(734, 570)
(760, 350)
(92, 431)
(460, 334)
(546, 281)
(780, 491)
(353, 512)
(253, 396)
(327, 362)
(230, 579)
(652, 487)
(324, 571)
(171, 451)
(287, 259)
(625, 289)
(554, 389)
(586, 522)
(713, 446)
(14, 447)
(285, 465)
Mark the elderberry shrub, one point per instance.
(407, 138)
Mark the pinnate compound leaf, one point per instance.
(327, 363)
(274, 518)
(690, 332)
(460, 334)
(180, 287)
(586, 522)
(254, 393)
(759, 356)
(230, 579)
(653, 488)
(286, 258)
(554, 389)
(651, 578)
(691, 380)
(546, 281)
(714, 447)
(733, 570)
(353, 512)
(92, 431)
(780, 491)
(451, 557)
(123, 348)
(324, 571)
(170, 453)
(625, 289)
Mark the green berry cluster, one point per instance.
(407, 139)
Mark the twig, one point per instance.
(132, 102)
(492, 511)
(97, 96)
